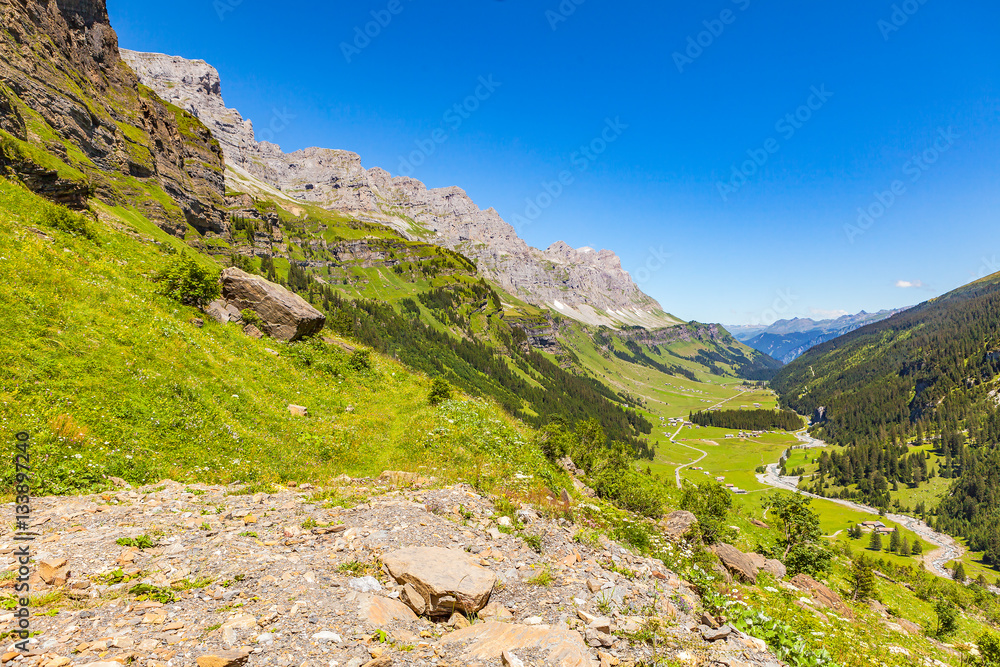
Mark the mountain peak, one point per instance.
(588, 285)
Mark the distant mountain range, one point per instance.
(786, 340)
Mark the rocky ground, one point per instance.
(281, 579)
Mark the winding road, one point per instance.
(677, 470)
(946, 547)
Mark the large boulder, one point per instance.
(821, 594)
(446, 579)
(740, 564)
(286, 316)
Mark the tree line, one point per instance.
(748, 420)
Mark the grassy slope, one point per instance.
(113, 378)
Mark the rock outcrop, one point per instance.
(97, 130)
(444, 581)
(583, 284)
(678, 524)
(285, 315)
(741, 565)
(821, 594)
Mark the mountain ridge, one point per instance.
(586, 285)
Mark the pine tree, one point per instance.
(904, 548)
(875, 543)
(862, 579)
(894, 541)
(959, 573)
(916, 549)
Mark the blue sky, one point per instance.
(723, 149)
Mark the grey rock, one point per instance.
(365, 584)
(286, 316)
(447, 580)
(737, 562)
(714, 635)
(677, 524)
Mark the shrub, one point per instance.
(811, 558)
(631, 491)
(440, 391)
(710, 503)
(188, 282)
(67, 221)
(251, 317)
(360, 361)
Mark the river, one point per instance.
(947, 548)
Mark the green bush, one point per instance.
(251, 317)
(188, 282)
(140, 542)
(440, 391)
(812, 559)
(58, 217)
(631, 491)
(947, 619)
(710, 503)
(360, 361)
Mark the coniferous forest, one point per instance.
(749, 420)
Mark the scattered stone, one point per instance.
(54, 571)
(253, 332)
(823, 595)
(222, 659)
(488, 641)
(715, 634)
(412, 598)
(327, 636)
(365, 584)
(678, 524)
(458, 621)
(508, 659)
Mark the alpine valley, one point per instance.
(287, 409)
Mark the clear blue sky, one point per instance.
(779, 243)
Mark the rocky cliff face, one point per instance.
(583, 284)
(77, 121)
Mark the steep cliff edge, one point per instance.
(76, 122)
(586, 285)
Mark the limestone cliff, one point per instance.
(585, 284)
(75, 121)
